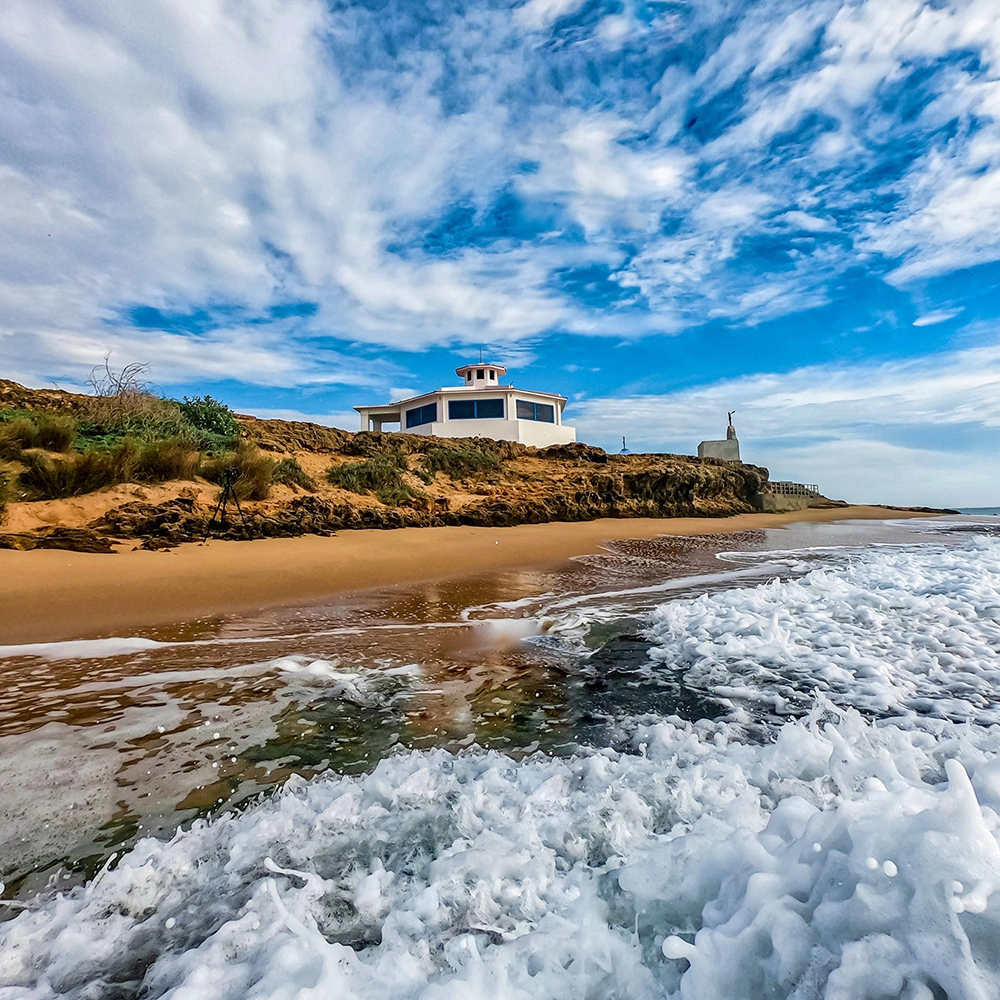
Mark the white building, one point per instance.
(479, 407)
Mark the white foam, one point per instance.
(707, 867)
(890, 630)
(84, 649)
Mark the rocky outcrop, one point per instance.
(68, 539)
(670, 486)
(472, 481)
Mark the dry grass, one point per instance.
(54, 479)
(44, 430)
(459, 463)
(253, 472)
(127, 462)
(160, 461)
(5, 493)
(382, 474)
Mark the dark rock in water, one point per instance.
(620, 681)
(70, 539)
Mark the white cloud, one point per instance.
(829, 424)
(200, 154)
(937, 316)
(537, 15)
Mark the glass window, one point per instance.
(536, 411)
(422, 415)
(480, 373)
(487, 409)
(468, 375)
(471, 409)
(461, 409)
(493, 374)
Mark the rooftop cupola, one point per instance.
(483, 375)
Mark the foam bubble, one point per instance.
(690, 868)
(891, 630)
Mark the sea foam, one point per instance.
(889, 630)
(845, 859)
(832, 855)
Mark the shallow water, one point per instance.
(720, 765)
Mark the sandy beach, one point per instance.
(52, 595)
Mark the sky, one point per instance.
(662, 210)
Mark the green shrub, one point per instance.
(53, 479)
(253, 472)
(216, 423)
(458, 463)
(39, 430)
(290, 473)
(155, 420)
(55, 433)
(16, 435)
(382, 474)
(160, 461)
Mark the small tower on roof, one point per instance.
(483, 375)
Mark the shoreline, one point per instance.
(52, 595)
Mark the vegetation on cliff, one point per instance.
(112, 453)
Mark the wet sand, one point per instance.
(50, 595)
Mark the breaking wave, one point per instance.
(836, 854)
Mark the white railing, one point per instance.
(788, 489)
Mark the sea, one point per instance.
(763, 764)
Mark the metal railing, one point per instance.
(788, 489)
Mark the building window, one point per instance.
(475, 409)
(422, 415)
(468, 375)
(480, 373)
(493, 375)
(536, 411)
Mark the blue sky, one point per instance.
(663, 210)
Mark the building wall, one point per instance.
(728, 450)
(536, 433)
(529, 432)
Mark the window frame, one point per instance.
(422, 420)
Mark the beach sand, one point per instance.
(52, 595)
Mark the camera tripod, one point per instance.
(227, 494)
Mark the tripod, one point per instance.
(227, 494)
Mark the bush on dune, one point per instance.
(55, 479)
(382, 474)
(215, 423)
(458, 463)
(252, 471)
(95, 469)
(17, 435)
(160, 461)
(42, 430)
(290, 473)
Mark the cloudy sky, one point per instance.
(663, 210)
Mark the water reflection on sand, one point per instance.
(98, 750)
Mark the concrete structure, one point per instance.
(479, 407)
(728, 450)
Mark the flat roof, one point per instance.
(460, 390)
